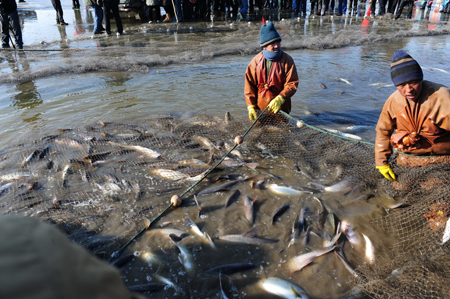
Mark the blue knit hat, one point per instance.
(269, 34)
(404, 68)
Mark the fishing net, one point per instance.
(101, 182)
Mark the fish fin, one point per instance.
(294, 292)
(252, 233)
(147, 223)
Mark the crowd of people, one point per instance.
(217, 10)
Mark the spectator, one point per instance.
(153, 10)
(9, 12)
(97, 6)
(402, 4)
(108, 7)
(59, 12)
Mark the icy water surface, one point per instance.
(65, 79)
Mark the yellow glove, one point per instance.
(387, 172)
(275, 104)
(252, 112)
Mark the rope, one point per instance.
(115, 254)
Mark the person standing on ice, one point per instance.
(271, 78)
(415, 119)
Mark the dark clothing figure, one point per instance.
(168, 8)
(9, 13)
(153, 10)
(108, 7)
(75, 4)
(59, 12)
(299, 5)
(402, 4)
(382, 6)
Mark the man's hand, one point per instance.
(387, 172)
(252, 112)
(275, 104)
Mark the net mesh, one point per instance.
(77, 177)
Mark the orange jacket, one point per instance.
(259, 89)
(422, 127)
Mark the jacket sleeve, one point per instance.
(290, 87)
(442, 106)
(385, 127)
(251, 85)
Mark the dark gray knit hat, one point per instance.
(404, 68)
(269, 34)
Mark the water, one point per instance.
(67, 79)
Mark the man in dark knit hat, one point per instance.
(271, 78)
(415, 119)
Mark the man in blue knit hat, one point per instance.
(414, 120)
(271, 78)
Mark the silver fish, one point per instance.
(370, 251)
(223, 187)
(346, 264)
(140, 149)
(205, 237)
(283, 288)
(446, 235)
(282, 190)
(15, 176)
(295, 232)
(249, 209)
(343, 186)
(301, 261)
(249, 237)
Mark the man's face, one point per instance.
(410, 90)
(273, 47)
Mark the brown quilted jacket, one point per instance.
(420, 127)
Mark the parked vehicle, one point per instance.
(136, 6)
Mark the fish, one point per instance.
(184, 256)
(250, 237)
(279, 211)
(440, 70)
(350, 233)
(370, 251)
(140, 149)
(331, 242)
(205, 142)
(343, 134)
(5, 187)
(200, 211)
(249, 209)
(229, 269)
(283, 288)
(295, 232)
(33, 155)
(122, 260)
(282, 190)
(341, 187)
(224, 187)
(446, 235)
(231, 198)
(15, 176)
(173, 175)
(346, 264)
(299, 262)
(345, 81)
(306, 237)
(323, 86)
(224, 296)
(205, 237)
(149, 287)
